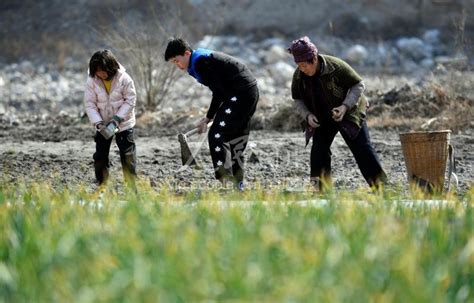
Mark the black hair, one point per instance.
(104, 60)
(176, 47)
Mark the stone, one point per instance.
(357, 54)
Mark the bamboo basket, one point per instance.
(426, 155)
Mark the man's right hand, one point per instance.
(202, 125)
(312, 121)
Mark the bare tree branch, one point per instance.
(140, 44)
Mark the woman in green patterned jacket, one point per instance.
(328, 95)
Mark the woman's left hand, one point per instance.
(339, 112)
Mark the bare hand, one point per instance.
(202, 125)
(339, 112)
(313, 121)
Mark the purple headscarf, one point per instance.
(303, 49)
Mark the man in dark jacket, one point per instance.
(328, 94)
(234, 100)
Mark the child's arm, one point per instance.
(90, 101)
(130, 98)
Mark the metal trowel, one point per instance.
(187, 156)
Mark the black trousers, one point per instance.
(228, 135)
(360, 146)
(126, 143)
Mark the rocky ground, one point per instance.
(274, 159)
(44, 133)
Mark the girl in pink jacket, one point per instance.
(110, 97)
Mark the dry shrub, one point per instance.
(457, 115)
(433, 105)
(285, 118)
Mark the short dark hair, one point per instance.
(176, 47)
(106, 61)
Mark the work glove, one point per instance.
(116, 120)
(99, 126)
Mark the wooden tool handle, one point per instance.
(195, 130)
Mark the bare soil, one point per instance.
(59, 147)
(274, 159)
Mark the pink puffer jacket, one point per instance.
(121, 100)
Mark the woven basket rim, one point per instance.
(426, 132)
(413, 137)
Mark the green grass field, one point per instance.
(60, 245)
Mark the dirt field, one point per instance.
(64, 155)
(59, 146)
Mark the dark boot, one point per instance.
(128, 156)
(101, 168)
(129, 168)
(101, 158)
